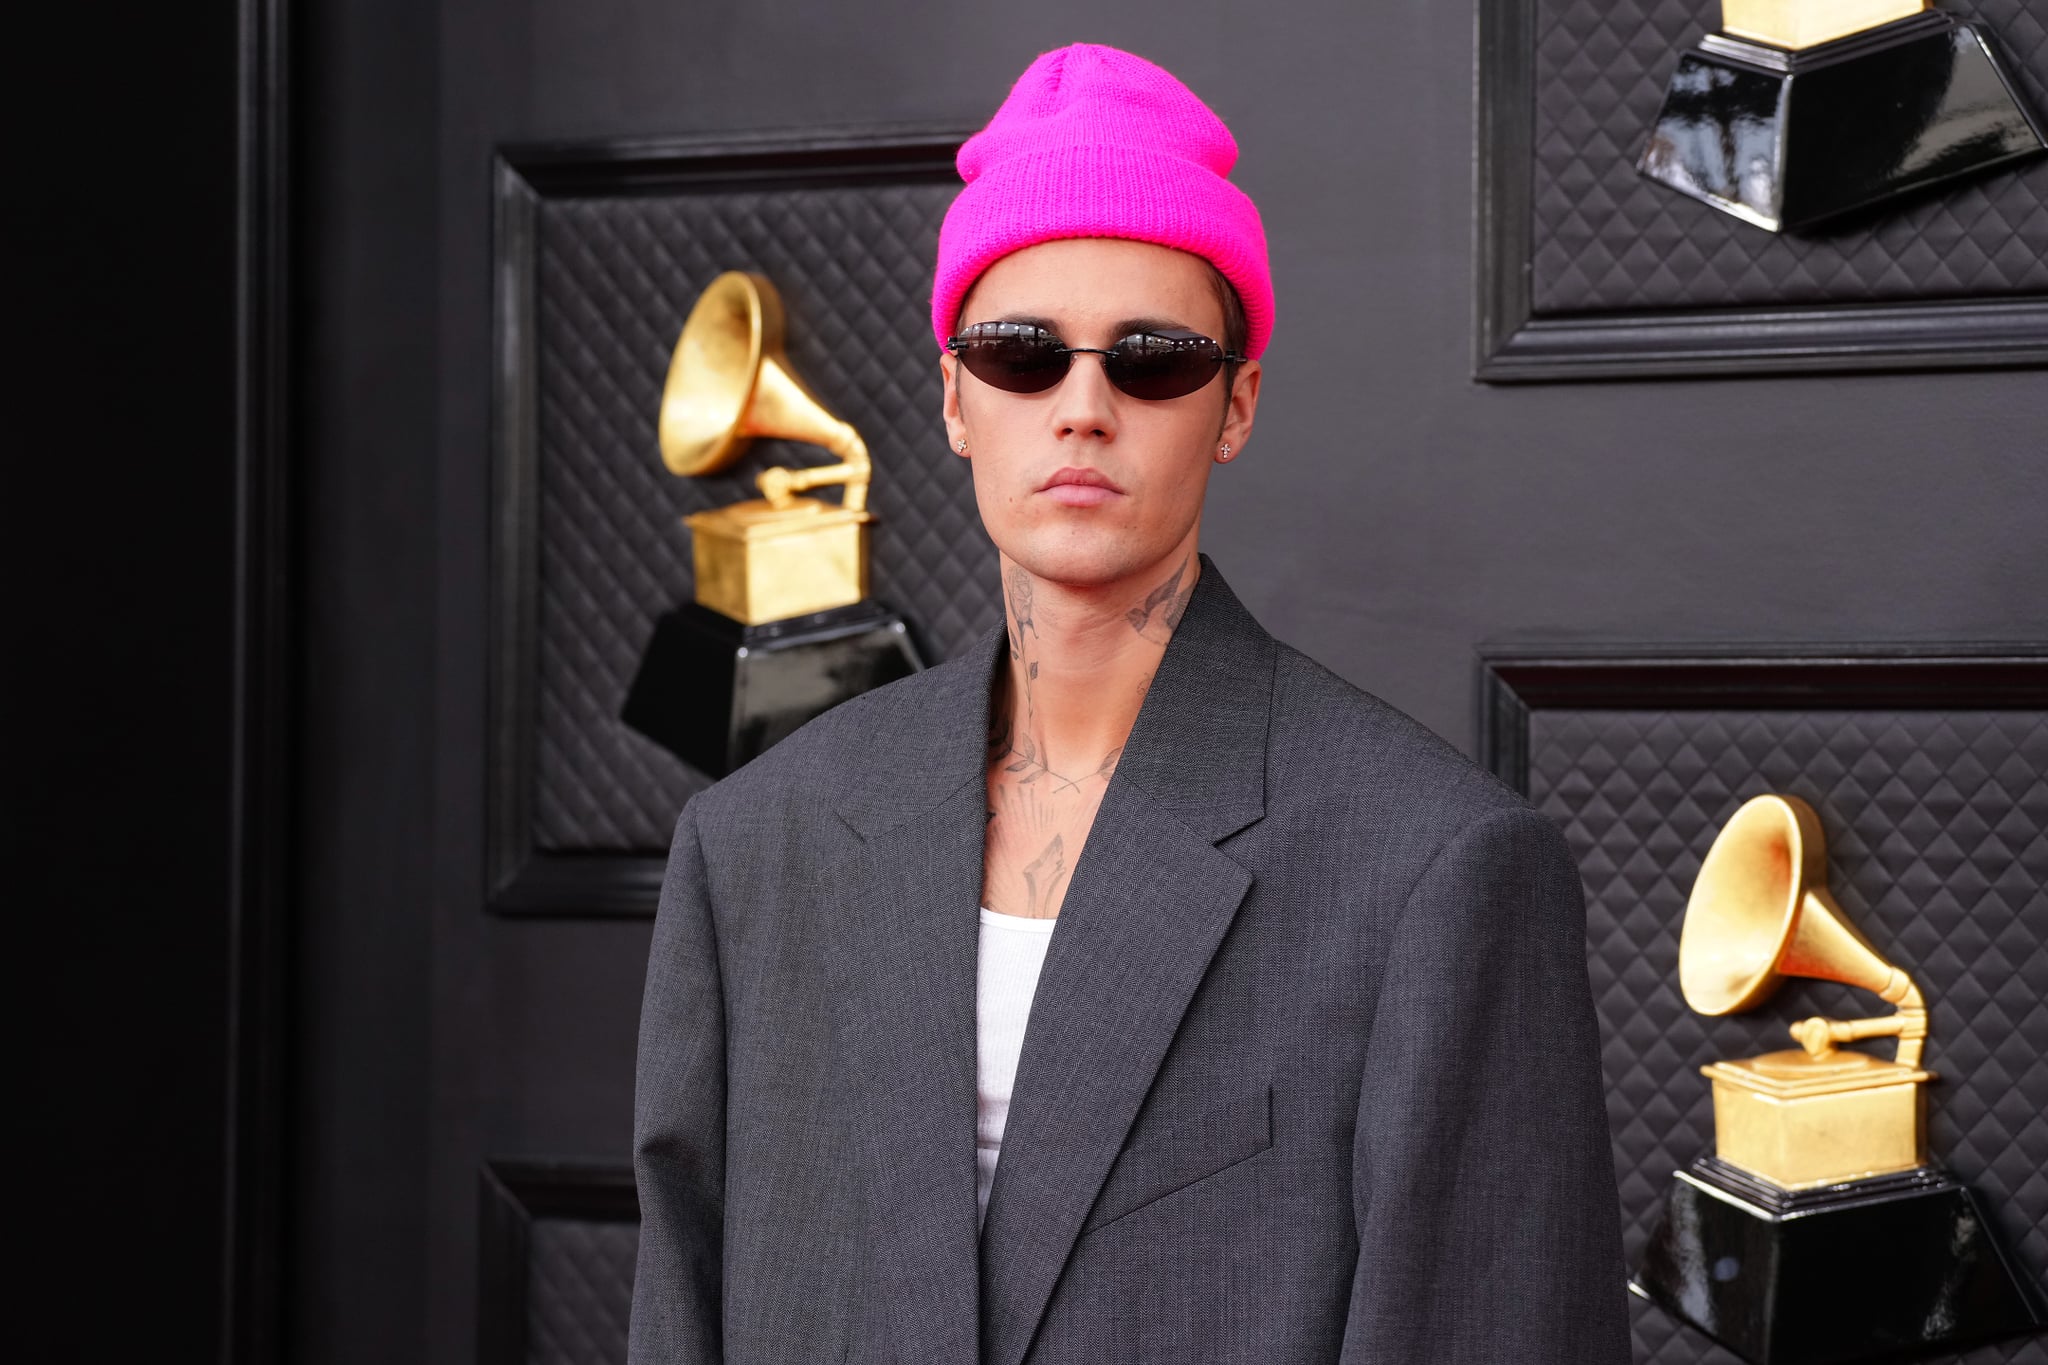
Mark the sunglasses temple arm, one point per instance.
(780, 486)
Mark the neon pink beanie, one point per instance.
(1094, 142)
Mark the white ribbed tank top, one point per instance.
(1012, 951)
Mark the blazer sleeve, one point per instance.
(679, 1124)
(1483, 1182)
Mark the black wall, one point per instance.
(363, 1099)
(120, 532)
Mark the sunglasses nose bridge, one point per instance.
(1102, 356)
(1069, 352)
(1102, 361)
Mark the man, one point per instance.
(1129, 988)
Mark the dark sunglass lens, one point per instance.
(1159, 365)
(1012, 357)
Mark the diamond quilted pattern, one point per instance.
(1937, 829)
(1607, 239)
(579, 1291)
(614, 278)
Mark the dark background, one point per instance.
(121, 536)
(1390, 515)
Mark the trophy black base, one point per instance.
(1785, 139)
(1869, 1270)
(717, 693)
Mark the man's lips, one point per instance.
(1074, 487)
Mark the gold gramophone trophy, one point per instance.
(1817, 1231)
(1802, 110)
(782, 628)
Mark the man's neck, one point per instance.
(1080, 661)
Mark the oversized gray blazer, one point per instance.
(1311, 1074)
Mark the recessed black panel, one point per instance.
(1934, 802)
(1604, 239)
(602, 248)
(1589, 271)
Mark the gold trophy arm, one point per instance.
(780, 485)
(1819, 1035)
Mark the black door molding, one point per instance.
(1517, 679)
(264, 715)
(510, 1196)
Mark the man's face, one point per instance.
(1154, 455)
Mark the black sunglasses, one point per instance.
(1022, 357)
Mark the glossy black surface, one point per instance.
(1883, 1269)
(717, 693)
(1788, 139)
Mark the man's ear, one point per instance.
(1238, 412)
(949, 408)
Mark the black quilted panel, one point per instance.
(579, 1291)
(1607, 239)
(1937, 830)
(615, 277)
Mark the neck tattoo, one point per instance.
(1014, 746)
(1032, 805)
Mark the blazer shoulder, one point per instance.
(1325, 729)
(1378, 795)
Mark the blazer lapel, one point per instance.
(906, 970)
(1151, 898)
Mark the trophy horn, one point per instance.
(1760, 911)
(729, 382)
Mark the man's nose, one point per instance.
(1086, 405)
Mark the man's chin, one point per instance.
(1082, 563)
